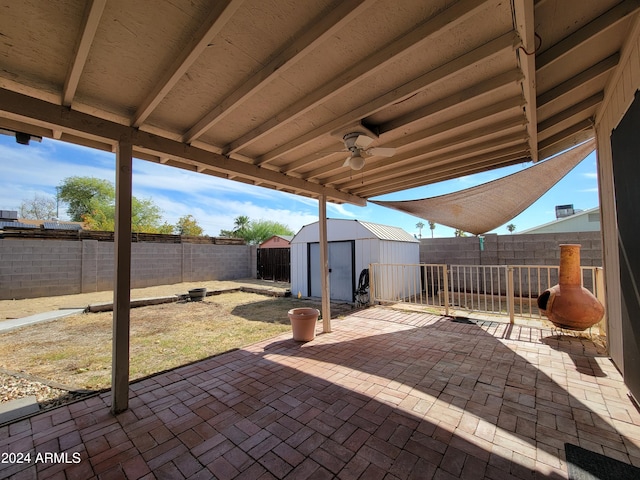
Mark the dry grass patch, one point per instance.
(76, 350)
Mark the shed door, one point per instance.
(341, 279)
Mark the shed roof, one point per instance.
(387, 232)
(376, 230)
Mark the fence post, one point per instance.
(511, 301)
(445, 274)
(598, 273)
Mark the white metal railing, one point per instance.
(422, 284)
(510, 290)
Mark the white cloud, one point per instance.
(216, 214)
(154, 177)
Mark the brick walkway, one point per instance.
(389, 394)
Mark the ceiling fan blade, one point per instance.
(347, 162)
(382, 151)
(363, 141)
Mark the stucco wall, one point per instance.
(34, 268)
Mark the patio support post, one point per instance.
(122, 282)
(324, 265)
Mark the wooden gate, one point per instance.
(274, 264)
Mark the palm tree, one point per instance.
(511, 227)
(432, 227)
(240, 223)
(419, 226)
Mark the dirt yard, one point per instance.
(10, 309)
(75, 351)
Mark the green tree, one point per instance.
(460, 233)
(146, 216)
(419, 226)
(254, 232)
(511, 227)
(102, 218)
(241, 224)
(92, 200)
(40, 207)
(432, 227)
(187, 225)
(84, 195)
(260, 230)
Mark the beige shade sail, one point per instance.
(482, 208)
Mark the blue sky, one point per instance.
(39, 167)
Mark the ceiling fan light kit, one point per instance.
(356, 161)
(356, 143)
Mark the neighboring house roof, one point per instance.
(4, 224)
(46, 224)
(286, 238)
(582, 221)
(53, 224)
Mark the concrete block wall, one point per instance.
(35, 268)
(226, 262)
(156, 264)
(526, 249)
(104, 260)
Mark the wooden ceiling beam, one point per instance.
(568, 138)
(524, 25)
(573, 111)
(220, 14)
(380, 166)
(443, 151)
(454, 67)
(480, 115)
(456, 100)
(310, 37)
(438, 172)
(430, 160)
(418, 137)
(367, 67)
(591, 30)
(485, 166)
(56, 117)
(92, 14)
(591, 73)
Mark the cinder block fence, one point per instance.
(525, 249)
(31, 268)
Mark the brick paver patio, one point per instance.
(389, 394)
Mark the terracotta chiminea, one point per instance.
(569, 305)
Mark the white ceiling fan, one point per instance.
(357, 144)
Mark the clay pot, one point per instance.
(568, 304)
(303, 323)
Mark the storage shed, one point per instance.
(352, 246)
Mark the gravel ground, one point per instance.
(16, 385)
